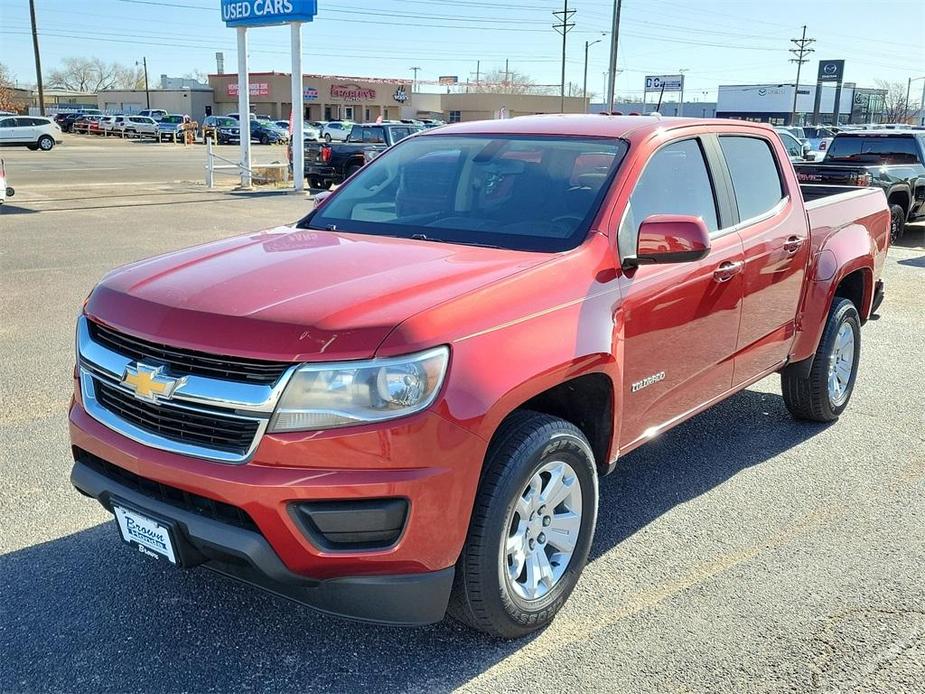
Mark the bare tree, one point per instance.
(8, 101)
(198, 75)
(896, 109)
(93, 75)
(498, 81)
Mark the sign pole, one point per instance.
(244, 109)
(298, 111)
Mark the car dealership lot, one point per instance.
(740, 551)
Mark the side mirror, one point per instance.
(671, 238)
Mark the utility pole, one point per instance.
(144, 62)
(614, 44)
(564, 26)
(478, 72)
(507, 76)
(414, 81)
(681, 104)
(800, 53)
(38, 60)
(584, 89)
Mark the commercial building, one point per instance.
(195, 102)
(327, 97)
(772, 103)
(690, 109)
(324, 97)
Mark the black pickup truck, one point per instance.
(327, 163)
(893, 160)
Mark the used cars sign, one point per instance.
(252, 13)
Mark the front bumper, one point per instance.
(425, 459)
(245, 555)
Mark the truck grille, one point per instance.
(188, 362)
(196, 427)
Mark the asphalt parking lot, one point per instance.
(741, 551)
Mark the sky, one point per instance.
(714, 41)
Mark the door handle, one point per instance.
(726, 271)
(793, 244)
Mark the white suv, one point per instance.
(139, 126)
(336, 130)
(29, 131)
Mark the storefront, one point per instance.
(772, 103)
(324, 97)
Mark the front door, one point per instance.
(680, 321)
(774, 235)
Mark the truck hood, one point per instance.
(294, 295)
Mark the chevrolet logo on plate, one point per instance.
(150, 383)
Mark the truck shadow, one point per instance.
(83, 613)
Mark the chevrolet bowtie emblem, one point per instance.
(150, 383)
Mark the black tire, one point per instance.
(327, 138)
(315, 182)
(264, 140)
(807, 397)
(482, 596)
(46, 143)
(897, 222)
(352, 169)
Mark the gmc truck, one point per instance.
(401, 405)
(893, 160)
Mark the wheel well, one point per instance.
(901, 199)
(586, 402)
(854, 287)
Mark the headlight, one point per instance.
(322, 396)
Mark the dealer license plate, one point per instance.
(145, 534)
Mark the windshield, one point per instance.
(874, 149)
(537, 193)
(172, 119)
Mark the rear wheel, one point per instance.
(897, 222)
(352, 169)
(824, 393)
(327, 138)
(46, 142)
(531, 527)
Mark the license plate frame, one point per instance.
(148, 534)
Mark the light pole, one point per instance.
(907, 102)
(414, 82)
(614, 45)
(681, 103)
(144, 62)
(584, 90)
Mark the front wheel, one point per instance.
(327, 138)
(531, 527)
(46, 142)
(824, 393)
(897, 222)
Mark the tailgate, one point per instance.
(313, 153)
(832, 174)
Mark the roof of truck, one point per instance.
(590, 125)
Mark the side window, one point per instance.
(755, 176)
(793, 145)
(373, 135)
(8, 123)
(675, 181)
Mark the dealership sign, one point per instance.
(667, 83)
(831, 70)
(255, 89)
(352, 92)
(310, 93)
(255, 13)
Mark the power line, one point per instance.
(564, 26)
(800, 51)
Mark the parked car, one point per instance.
(237, 116)
(139, 126)
(95, 125)
(893, 160)
(154, 113)
(82, 123)
(282, 124)
(222, 129)
(33, 132)
(403, 402)
(170, 127)
(331, 162)
(818, 136)
(267, 134)
(112, 125)
(336, 130)
(6, 191)
(796, 150)
(66, 119)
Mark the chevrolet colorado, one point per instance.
(401, 405)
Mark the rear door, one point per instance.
(772, 226)
(25, 130)
(7, 130)
(680, 321)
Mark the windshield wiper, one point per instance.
(425, 237)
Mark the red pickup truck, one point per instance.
(401, 405)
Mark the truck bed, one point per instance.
(831, 208)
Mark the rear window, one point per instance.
(755, 176)
(874, 149)
(518, 192)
